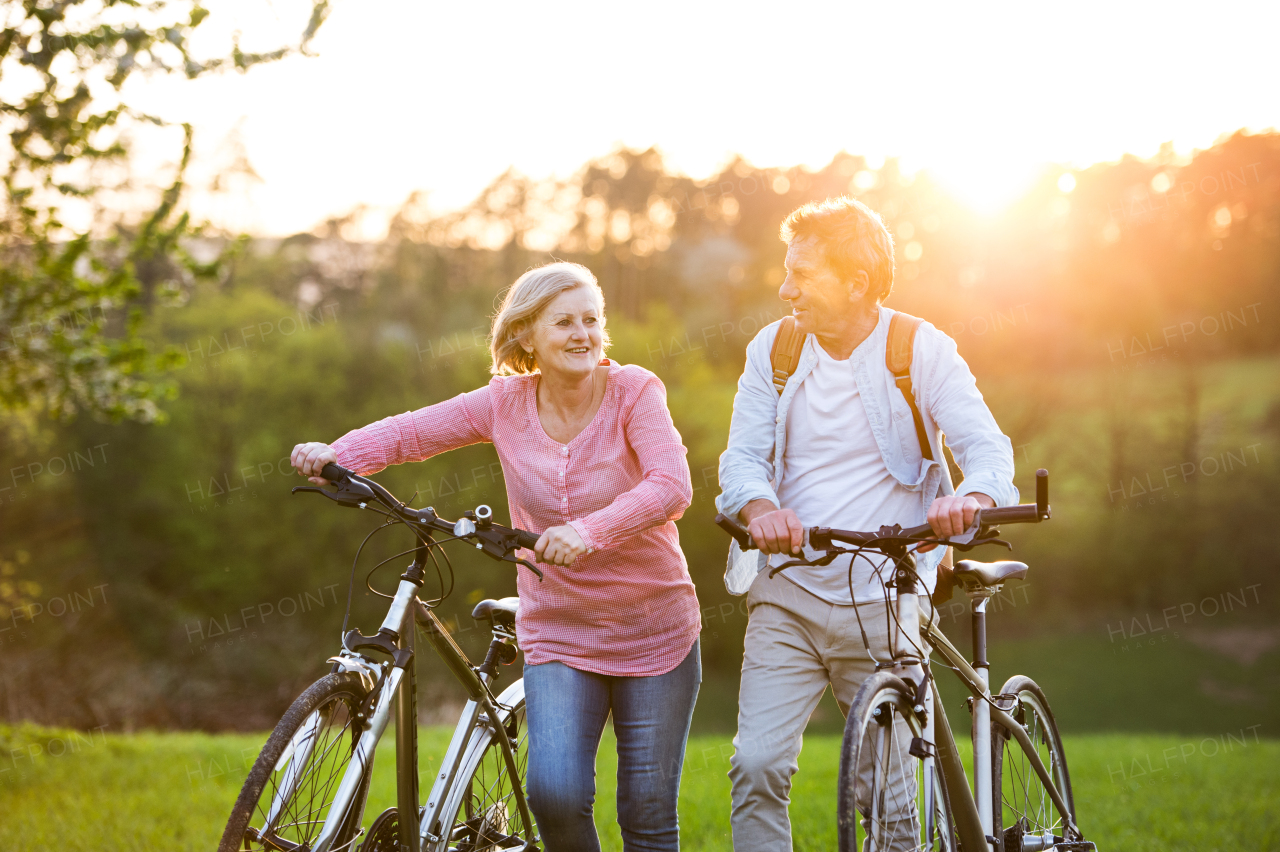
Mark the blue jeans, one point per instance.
(566, 710)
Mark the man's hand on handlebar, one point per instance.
(310, 458)
(952, 515)
(560, 546)
(772, 529)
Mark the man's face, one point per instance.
(819, 299)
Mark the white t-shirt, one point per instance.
(834, 476)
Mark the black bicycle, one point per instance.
(307, 790)
(902, 785)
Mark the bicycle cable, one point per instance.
(369, 574)
(892, 613)
(860, 551)
(435, 602)
(351, 584)
(929, 657)
(432, 545)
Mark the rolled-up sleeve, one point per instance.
(983, 452)
(417, 435)
(746, 465)
(665, 490)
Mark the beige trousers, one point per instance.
(796, 644)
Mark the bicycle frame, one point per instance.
(468, 737)
(394, 691)
(975, 819)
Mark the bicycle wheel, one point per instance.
(482, 814)
(882, 793)
(1026, 817)
(286, 798)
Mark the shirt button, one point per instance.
(564, 451)
(562, 474)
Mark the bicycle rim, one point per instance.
(883, 793)
(287, 797)
(1027, 818)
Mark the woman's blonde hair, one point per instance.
(522, 304)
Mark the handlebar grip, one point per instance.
(1026, 513)
(1042, 493)
(736, 530)
(335, 472)
(526, 539)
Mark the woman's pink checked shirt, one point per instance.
(627, 606)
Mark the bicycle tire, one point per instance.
(1015, 784)
(859, 806)
(482, 815)
(337, 697)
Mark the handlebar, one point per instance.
(494, 540)
(822, 537)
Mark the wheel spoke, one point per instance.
(887, 802)
(1025, 796)
(488, 811)
(297, 775)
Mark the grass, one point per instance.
(65, 791)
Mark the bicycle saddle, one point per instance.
(498, 612)
(973, 573)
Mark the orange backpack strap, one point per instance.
(897, 357)
(785, 355)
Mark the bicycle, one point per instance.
(902, 784)
(307, 790)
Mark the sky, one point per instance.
(414, 95)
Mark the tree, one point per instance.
(73, 296)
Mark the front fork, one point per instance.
(407, 748)
(361, 761)
(906, 646)
(395, 638)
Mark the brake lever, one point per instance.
(831, 554)
(352, 498)
(978, 542)
(526, 563)
(498, 547)
(339, 497)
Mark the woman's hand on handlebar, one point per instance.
(310, 458)
(560, 546)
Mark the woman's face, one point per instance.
(567, 337)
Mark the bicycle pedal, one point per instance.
(1075, 846)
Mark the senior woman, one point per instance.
(592, 459)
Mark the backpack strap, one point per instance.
(897, 357)
(785, 355)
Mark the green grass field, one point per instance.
(64, 791)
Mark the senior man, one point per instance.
(836, 443)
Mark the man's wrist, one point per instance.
(756, 508)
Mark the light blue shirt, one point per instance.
(946, 393)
